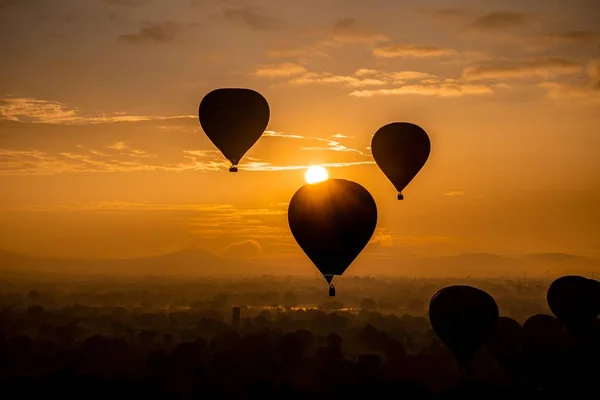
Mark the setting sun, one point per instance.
(316, 174)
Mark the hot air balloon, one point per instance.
(574, 300)
(234, 119)
(543, 337)
(463, 317)
(400, 149)
(332, 221)
(505, 342)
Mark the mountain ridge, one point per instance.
(198, 262)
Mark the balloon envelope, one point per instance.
(332, 221)
(400, 149)
(505, 341)
(234, 119)
(574, 299)
(463, 317)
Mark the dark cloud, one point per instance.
(252, 17)
(348, 30)
(157, 32)
(500, 20)
(541, 67)
(575, 36)
(126, 3)
(450, 12)
(22, 3)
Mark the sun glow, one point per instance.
(316, 174)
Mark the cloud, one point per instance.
(284, 135)
(372, 82)
(410, 75)
(153, 32)
(411, 51)
(348, 30)
(594, 73)
(49, 112)
(362, 77)
(36, 162)
(75, 154)
(454, 193)
(266, 167)
(542, 67)
(445, 89)
(588, 92)
(449, 12)
(330, 145)
(252, 17)
(324, 78)
(118, 146)
(333, 145)
(127, 3)
(309, 43)
(277, 70)
(500, 20)
(246, 249)
(382, 239)
(575, 36)
(365, 72)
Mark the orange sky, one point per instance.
(102, 155)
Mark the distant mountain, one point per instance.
(561, 258)
(198, 262)
(470, 264)
(483, 265)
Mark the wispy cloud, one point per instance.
(283, 135)
(384, 83)
(324, 78)
(153, 32)
(252, 17)
(500, 20)
(448, 12)
(344, 32)
(278, 70)
(33, 110)
(411, 51)
(585, 93)
(454, 193)
(127, 3)
(574, 36)
(446, 89)
(266, 167)
(123, 157)
(541, 67)
(349, 30)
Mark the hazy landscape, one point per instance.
(202, 263)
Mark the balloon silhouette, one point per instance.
(332, 221)
(463, 317)
(234, 119)
(505, 342)
(400, 149)
(574, 300)
(543, 336)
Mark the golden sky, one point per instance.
(102, 155)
